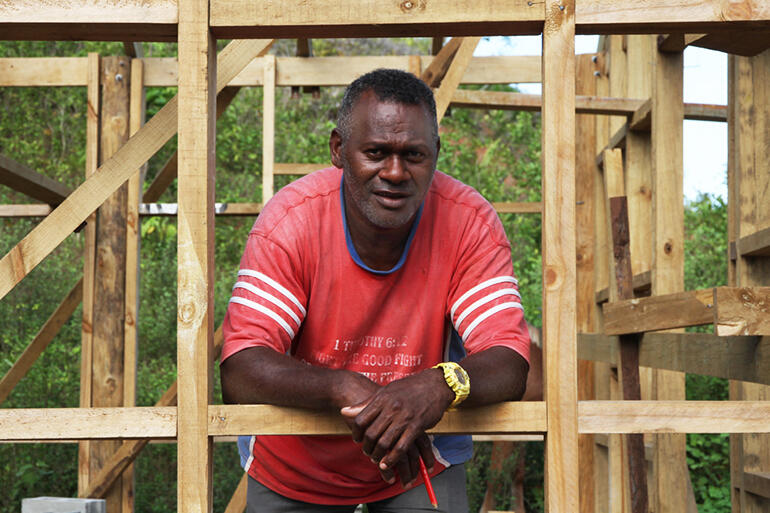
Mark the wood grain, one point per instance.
(742, 311)
(654, 313)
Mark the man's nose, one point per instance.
(394, 170)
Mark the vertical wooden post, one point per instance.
(268, 128)
(749, 181)
(195, 253)
(618, 72)
(670, 465)
(89, 263)
(602, 374)
(109, 289)
(136, 120)
(559, 286)
(585, 161)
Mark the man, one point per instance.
(356, 281)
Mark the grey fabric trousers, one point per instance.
(449, 486)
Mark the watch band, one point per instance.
(457, 379)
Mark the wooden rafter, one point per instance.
(23, 179)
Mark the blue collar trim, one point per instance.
(352, 249)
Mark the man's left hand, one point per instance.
(391, 424)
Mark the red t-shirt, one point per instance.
(303, 290)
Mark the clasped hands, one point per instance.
(390, 421)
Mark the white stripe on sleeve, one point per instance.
(277, 286)
(482, 285)
(259, 308)
(269, 297)
(484, 300)
(492, 311)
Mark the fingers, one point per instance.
(425, 448)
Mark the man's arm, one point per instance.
(261, 375)
(389, 423)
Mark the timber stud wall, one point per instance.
(645, 82)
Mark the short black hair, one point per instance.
(389, 85)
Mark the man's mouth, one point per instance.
(391, 199)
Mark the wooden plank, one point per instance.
(286, 168)
(751, 42)
(437, 68)
(757, 483)
(23, 179)
(755, 244)
(618, 140)
(43, 71)
(618, 74)
(670, 464)
(195, 254)
(340, 71)
(532, 102)
(43, 337)
(666, 416)
(587, 312)
(263, 419)
(110, 282)
(679, 310)
(655, 16)
(505, 207)
(705, 112)
(237, 502)
(18, 424)
(451, 80)
(18, 262)
(559, 250)
(735, 358)
(742, 311)
(133, 241)
(153, 20)
(31, 210)
(93, 120)
(268, 128)
(168, 173)
(327, 18)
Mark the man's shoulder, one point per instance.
(306, 196)
(454, 194)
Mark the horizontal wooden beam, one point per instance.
(156, 20)
(28, 210)
(26, 180)
(91, 20)
(673, 416)
(741, 358)
(533, 102)
(757, 483)
(329, 18)
(509, 417)
(287, 168)
(732, 310)
(756, 244)
(84, 423)
(659, 16)
(642, 284)
(678, 310)
(526, 417)
(221, 209)
(290, 71)
(751, 42)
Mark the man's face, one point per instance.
(388, 161)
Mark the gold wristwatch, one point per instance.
(458, 381)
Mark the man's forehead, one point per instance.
(369, 103)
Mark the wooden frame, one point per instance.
(561, 416)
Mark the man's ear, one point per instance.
(335, 148)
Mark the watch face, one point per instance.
(460, 376)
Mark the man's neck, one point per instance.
(380, 249)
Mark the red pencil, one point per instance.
(428, 486)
